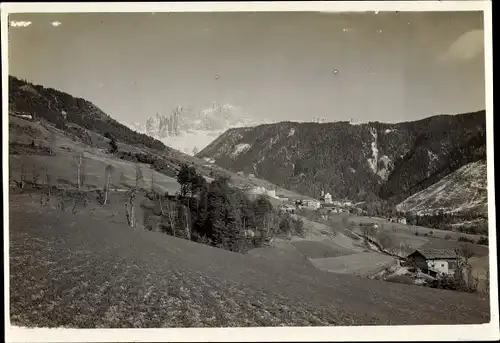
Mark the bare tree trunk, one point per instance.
(170, 210)
(78, 163)
(106, 190)
(161, 205)
(23, 176)
(130, 209)
(188, 229)
(78, 177)
(152, 181)
(132, 212)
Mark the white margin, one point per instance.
(488, 331)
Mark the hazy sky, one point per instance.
(391, 66)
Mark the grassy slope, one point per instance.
(407, 232)
(39, 258)
(85, 271)
(65, 147)
(343, 253)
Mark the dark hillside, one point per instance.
(361, 162)
(61, 108)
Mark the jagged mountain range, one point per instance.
(189, 129)
(361, 162)
(369, 161)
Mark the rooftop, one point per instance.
(329, 205)
(433, 254)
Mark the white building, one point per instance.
(258, 190)
(400, 220)
(435, 261)
(311, 203)
(328, 198)
(271, 194)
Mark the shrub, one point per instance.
(204, 240)
(483, 240)
(465, 239)
(448, 282)
(299, 228)
(113, 146)
(447, 236)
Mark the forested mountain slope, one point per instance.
(361, 162)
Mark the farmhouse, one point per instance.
(257, 190)
(271, 194)
(282, 197)
(435, 262)
(398, 219)
(311, 203)
(332, 208)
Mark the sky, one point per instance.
(385, 66)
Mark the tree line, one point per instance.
(443, 221)
(217, 214)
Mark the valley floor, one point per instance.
(85, 270)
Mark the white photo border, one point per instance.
(488, 331)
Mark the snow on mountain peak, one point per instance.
(191, 129)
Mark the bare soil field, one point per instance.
(283, 251)
(88, 271)
(360, 264)
(321, 249)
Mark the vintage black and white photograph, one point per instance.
(248, 169)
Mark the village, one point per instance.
(422, 266)
(324, 206)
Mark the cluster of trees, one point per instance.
(376, 207)
(443, 221)
(217, 214)
(481, 240)
(157, 163)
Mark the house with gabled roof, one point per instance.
(435, 262)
